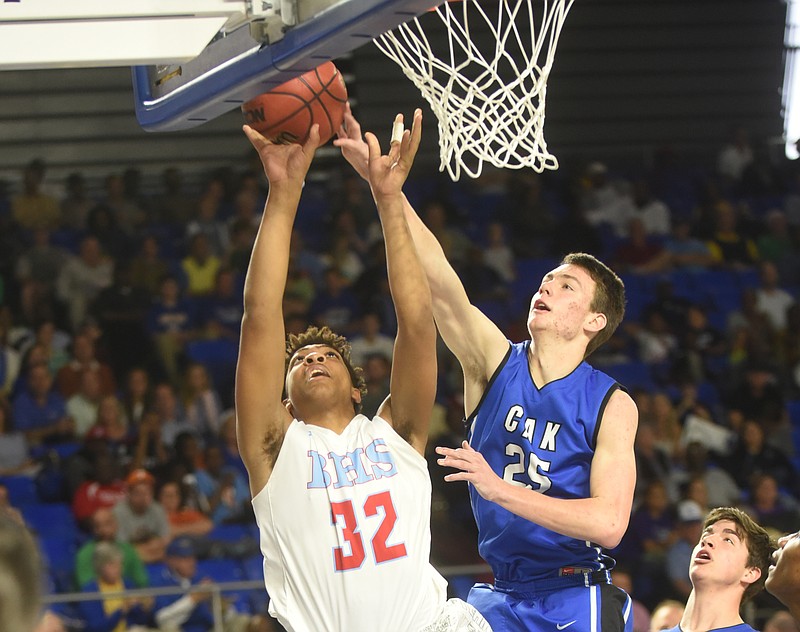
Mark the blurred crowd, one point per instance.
(120, 320)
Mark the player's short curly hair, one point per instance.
(609, 295)
(324, 336)
(760, 545)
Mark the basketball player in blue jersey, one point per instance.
(729, 566)
(549, 456)
(342, 501)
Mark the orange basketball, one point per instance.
(286, 113)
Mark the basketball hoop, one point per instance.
(489, 96)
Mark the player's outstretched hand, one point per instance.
(388, 172)
(350, 140)
(473, 469)
(284, 163)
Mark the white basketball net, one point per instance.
(490, 105)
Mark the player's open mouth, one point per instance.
(318, 373)
(540, 306)
(703, 555)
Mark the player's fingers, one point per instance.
(373, 145)
(255, 138)
(313, 138)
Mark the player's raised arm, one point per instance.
(413, 380)
(477, 342)
(261, 418)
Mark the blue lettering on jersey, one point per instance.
(362, 465)
(350, 469)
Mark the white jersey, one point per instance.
(345, 532)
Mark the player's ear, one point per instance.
(596, 321)
(355, 395)
(288, 404)
(751, 575)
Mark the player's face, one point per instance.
(318, 371)
(783, 580)
(562, 303)
(721, 557)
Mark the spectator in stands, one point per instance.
(137, 396)
(228, 443)
(377, 374)
(82, 405)
(684, 249)
(735, 156)
(343, 255)
(120, 311)
(656, 344)
(335, 305)
(438, 216)
(605, 202)
(111, 418)
(758, 394)
(102, 223)
(653, 461)
(14, 455)
(207, 222)
(649, 536)
(191, 612)
(654, 213)
(728, 567)
(370, 340)
(771, 507)
(771, 299)
(222, 312)
(498, 254)
(752, 456)
(41, 263)
(148, 268)
(528, 216)
(778, 245)
(10, 358)
(82, 278)
(200, 267)
(200, 401)
(700, 344)
(150, 451)
(638, 253)
(141, 519)
(104, 528)
(40, 412)
(127, 212)
(32, 208)
(171, 417)
(721, 489)
(666, 615)
(173, 205)
(114, 612)
(688, 529)
(53, 342)
(223, 489)
(183, 520)
(760, 340)
(171, 323)
(790, 345)
(783, 581)
(728, 247)
(243, 236)
(75, 204)
(103, 489)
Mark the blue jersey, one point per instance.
(543, 439)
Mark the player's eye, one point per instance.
(331, 354)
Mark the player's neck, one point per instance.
(334, 418)
(710, 610)
(551, 360)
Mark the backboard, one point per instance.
(265, 51)
(193, 60)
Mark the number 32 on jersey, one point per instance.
(346, 517)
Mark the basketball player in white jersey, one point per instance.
(342, 501)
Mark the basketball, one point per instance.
(286, 113)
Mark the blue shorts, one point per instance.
(598, 608)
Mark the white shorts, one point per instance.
(458, 616)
